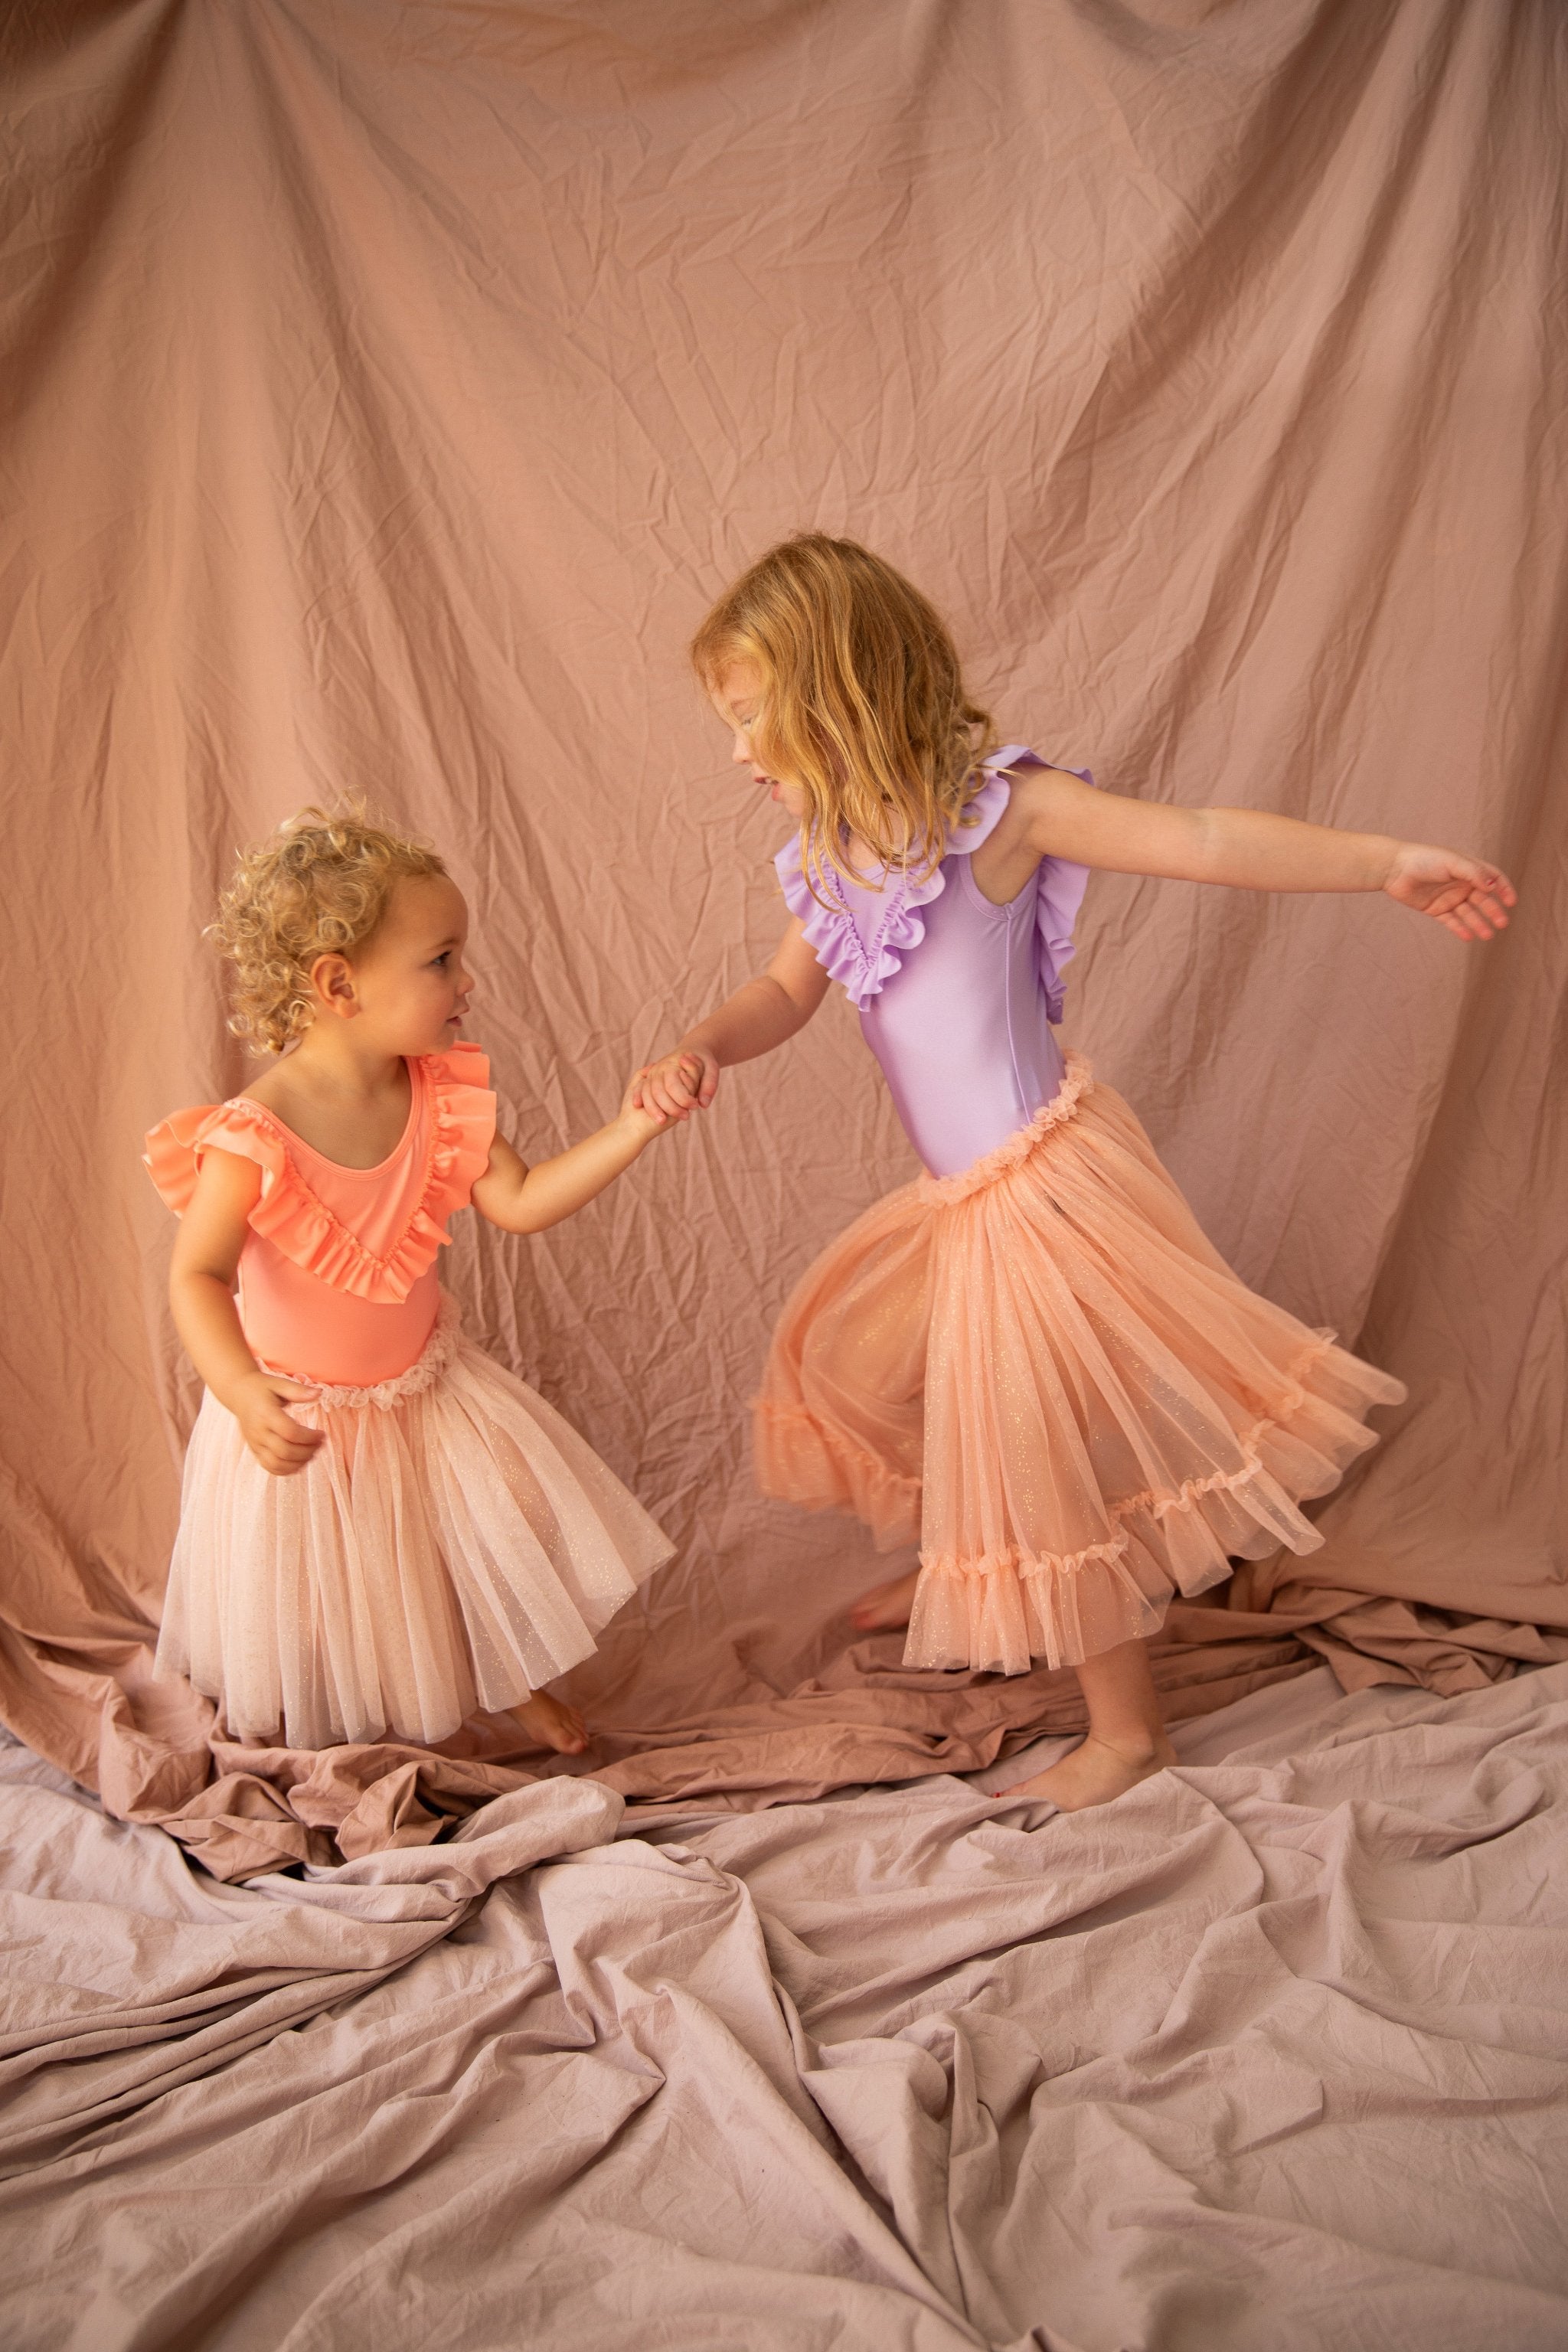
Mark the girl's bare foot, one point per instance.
(1095, 1772)
(886, 1606)
(549, 1722)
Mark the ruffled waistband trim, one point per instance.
(424, 1372)
(1063, 1105)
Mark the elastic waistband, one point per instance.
(1063, 1105)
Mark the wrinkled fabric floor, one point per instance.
(1272, 2054)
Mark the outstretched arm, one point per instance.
(1052, 813)
(523, 1200)
(760, 1015)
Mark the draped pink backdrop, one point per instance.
(390, 388)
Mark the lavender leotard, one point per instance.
(964, 1030)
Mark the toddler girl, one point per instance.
(1030, 1357)
(381, 1530)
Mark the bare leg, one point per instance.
(549, 1722)
(886, 1606)
(1126, 1741)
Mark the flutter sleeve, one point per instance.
(462, 1130)
(177, 1145)
(1058, 890)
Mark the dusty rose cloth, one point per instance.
(387, 393)
(1270, 2052)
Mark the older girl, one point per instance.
(1030, 1357)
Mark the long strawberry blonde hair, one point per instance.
(863, 702)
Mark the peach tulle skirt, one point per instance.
(453, 1544)
(1042, 1369)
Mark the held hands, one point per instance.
(1469, 896)
(639, 1115)
(675, 1085)
(280, 1443)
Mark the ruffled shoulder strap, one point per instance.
(177, 1145)
(1060, 885)
(457, 1134)
(463, 1125)
(1058, 890)
(983, 811)
(863, 954)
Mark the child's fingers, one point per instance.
(281, 1464)
(696, 1079)
(700, 1077)
(298, 1436)
(1482, 917)
(1485, 876)
(281, 1453)
(283, 1449)
(289, 1425)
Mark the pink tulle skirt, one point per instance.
(1042, 1370)
(450, 1546)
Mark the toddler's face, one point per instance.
(737, 697)
(409, 983)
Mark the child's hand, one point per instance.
(280, 1443)
(676, 1085)
(1466, 894)
(638, 1119)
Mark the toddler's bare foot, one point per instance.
(552, 1724)
(1094, 1773)
(886, 1606)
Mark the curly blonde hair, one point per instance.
(864, 703)
(320, 886)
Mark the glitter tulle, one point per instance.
(451, 1545)
(1042, 1370)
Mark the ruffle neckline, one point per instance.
(296, 1222)
(862, 966)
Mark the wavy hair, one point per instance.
(320, 886)
(863, 705)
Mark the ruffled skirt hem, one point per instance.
(452, 1545)
(1042, 1370)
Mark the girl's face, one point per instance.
(737, 697)
(408, 985)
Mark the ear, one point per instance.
(332, 982)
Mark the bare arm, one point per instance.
(200, 1294)
(523, 1200)
(1052, 813)
(760, 1015)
